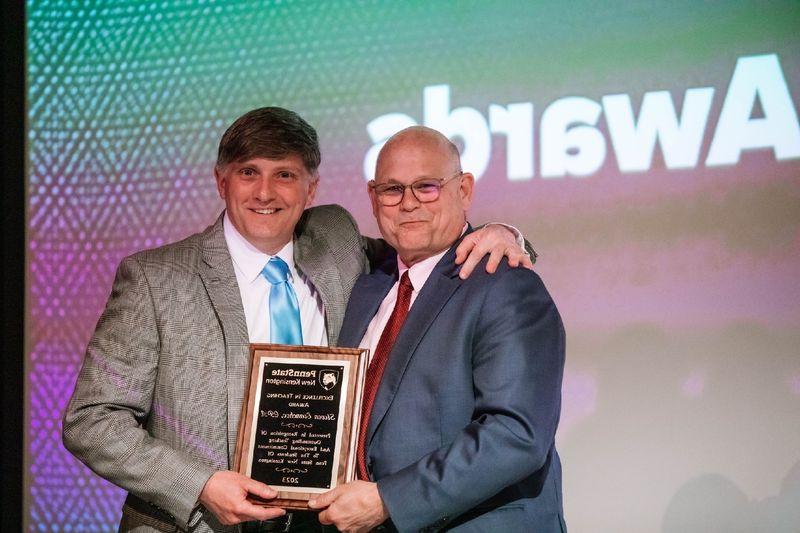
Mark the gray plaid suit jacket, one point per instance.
(157, 401)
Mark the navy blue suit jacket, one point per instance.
(462, 430)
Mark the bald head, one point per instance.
(421, 169)
(421, 137)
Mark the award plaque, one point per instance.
(300, 419)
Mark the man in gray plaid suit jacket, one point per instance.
(157, 401)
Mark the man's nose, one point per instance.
(409, 202)
(264, 189)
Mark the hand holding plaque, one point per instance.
(300, 419)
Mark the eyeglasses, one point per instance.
(424, 190)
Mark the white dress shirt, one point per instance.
(248, 262)
(418, 274)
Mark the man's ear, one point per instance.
(466, 188)
(221, 182)
(373, 199)
(312, 190)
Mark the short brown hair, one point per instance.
(271, 133)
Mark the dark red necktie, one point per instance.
(375, 370)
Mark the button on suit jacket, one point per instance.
(157, 402)
(461, 434)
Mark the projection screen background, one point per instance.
(650, 152)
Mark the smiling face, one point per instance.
(265, 198)
(420, 230)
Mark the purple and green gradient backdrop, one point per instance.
(678, 288)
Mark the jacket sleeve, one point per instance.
(376, 250)
(517, 368)
(103, 422)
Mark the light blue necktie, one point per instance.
(284, 313)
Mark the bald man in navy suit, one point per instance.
(464, 384)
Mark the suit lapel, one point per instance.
(313, 258)
(441, 284)
(219, 279)
(368, 293)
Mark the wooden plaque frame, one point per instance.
(354, 361)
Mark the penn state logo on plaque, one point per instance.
(328, 378)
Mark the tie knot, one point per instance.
(276, 270)
(406, 288)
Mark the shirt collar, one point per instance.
(249, 259)
(419, 273)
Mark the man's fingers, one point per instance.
(249, 511)
(469, 264)
(495, 257)
(476, 252)
(526, 262)
(261, 490)
(325, 518)
(519, 259)
(476, 245)
(464, 248)
(256, 512)
(323, 500)
(245, 511)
